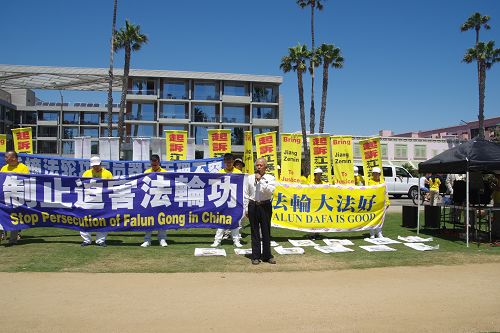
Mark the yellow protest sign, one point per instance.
(219, 142)
(265, 144)
(3, 143)
(320, 157)
(291, 157)
(176, 145)
(370, 152)
(23, 142)
(343, 164)
(248, 153)
(328, 208)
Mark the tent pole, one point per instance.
(418, 208)
(467, 207)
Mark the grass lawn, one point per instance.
(58, 250)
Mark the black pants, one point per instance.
(260, 221)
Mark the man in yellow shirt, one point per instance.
(376, 180)
(434, 183)
(235, 233)
(96, 171)
(162, 234)
(318, 173)
(12, 165)
(358, 179)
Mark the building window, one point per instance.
(236, 88)
(200, 132)
(104, 118)
(400, 152)
(174, 111)
(71, 118)
(47, 147)
(164, 128)
(235, 114)
(264, 112)
(143, 87)
(420, 152)
(205, 113)
(90, 131)
(260, 130)
(29, 117)
(264, 94)
(48, 116)
(104, 132)
(206, 91)
(94, 147)
(383, 151)
(357, 150)
(70, 132)
(68, 147)
(47, 131)
(90, 118)
(237, 135)
(141, 130)
(175, 90)
(141, 111)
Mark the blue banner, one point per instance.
(55, 165)
(153, 201)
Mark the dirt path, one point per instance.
(424, 299)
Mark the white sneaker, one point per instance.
(146, 244)
(372, 236)
(215, 244)
(163, 243)
(237, 243)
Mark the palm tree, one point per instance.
(296, 61)
(130, 39)
(314, 4)
(486, 55)
(328, 55)
(476, 21)
(110, 73)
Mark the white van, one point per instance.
(398, 180)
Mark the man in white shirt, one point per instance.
(258, 194)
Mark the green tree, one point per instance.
(296, 61)
(313, 4)
(130, 38)
(476, 21)
(486, 55)
(328, 55)
(110, 73)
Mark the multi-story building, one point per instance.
(156, 101)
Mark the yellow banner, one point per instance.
(248, 153)
(176, 145)
(343, 164)
(321, 158)
(3, 143)
(291, 157)
(219, 142)
(372, 157)
(265, 144)
(328, 208)
(23, 142)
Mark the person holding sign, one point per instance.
(235, 233)
(162, 234)
(96, 171)
(257, 199)
(318, 173)
(358, 179)
(375, 180)
(12, 165)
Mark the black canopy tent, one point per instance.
(477, 155)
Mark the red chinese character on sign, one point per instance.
(176, 137)
(219, 136)
(2, 142)
(370, 154)
(175, 147)
(319, 141)
(320, 150)
(370, 145)
(266, 149)
(23, 135)
(265, 140)
(220, 146)
(23, 145)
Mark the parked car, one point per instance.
(398, 180)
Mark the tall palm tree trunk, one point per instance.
(303, 119)
(323, 97)
(312, 114)
(126, 70)
(110, 73)
(482, 88)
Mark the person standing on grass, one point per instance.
(257, 201)
(235, 233)
(96, 171)
(12, 165)
(162, 234)
(376, 180)
(434, 183)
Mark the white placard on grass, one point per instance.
(377, 248)
(382, 241)
(337, 241)
(333, 248)
(288, 250)
(208, 252)
(415, 239)
(242, 252)
(422, 246)
(302, 242)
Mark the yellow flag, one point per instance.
(248, 154)
(370, 152)
(219, 142)
(265, 144)
(291, 157)
(23, 142)
(176, 145)
(343, 164)
(3, 143)
(320, 157)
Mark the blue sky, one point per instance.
(402, 71)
